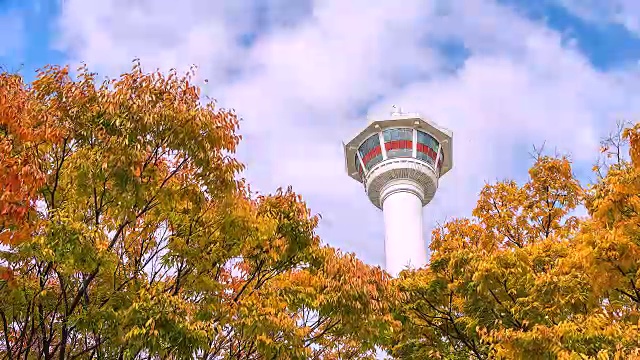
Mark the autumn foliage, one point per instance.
(526, 279)
(127, 233)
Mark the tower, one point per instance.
(399, 160)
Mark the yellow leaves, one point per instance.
(264, 339)
(145, 228)
(633, 136)
(527, 279)
(616, 198)
(516, 216)
(140, 213)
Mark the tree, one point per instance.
(127, 234)
(524, 279)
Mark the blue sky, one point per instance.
(606, 45)
(27, 29)
(503, 75)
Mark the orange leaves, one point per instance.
(7, 276)
(15, 236)
(22, 134)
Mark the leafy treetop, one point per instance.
(127, 234)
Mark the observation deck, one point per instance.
(403, 148)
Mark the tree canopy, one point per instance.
(525, 279)
(127, 233)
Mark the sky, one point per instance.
(502, 75)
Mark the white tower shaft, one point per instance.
(399, 159)
(404, 243)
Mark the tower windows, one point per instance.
(370, 151)
(427, 148)
(398, 142)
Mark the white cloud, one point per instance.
(301, 87)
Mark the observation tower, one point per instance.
(400, 178)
